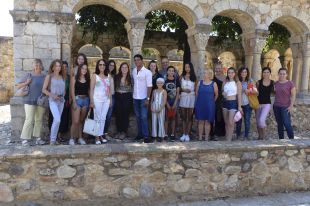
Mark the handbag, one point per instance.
(171, 113)
(42, 101)
(237, 116)
(23, 91)
(253, 100)
(91, 126)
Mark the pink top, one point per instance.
(283, 93)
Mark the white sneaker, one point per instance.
(98, 142)
(25, 142)
(71, 141)
(182, 138)
(187, 138)
(81, 141)
(39, 141)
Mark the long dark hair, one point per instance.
(236, 75)
(119, 75)
(192, 74)
(153, 61)
(78, 74)
(106, 69)
(84, 57)
(264, 69)
(247, 74)
(108, 66)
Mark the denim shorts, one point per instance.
(230, 105)
(82, 101)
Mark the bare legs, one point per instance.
(229, 123)
(204, 125)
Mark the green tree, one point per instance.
(278, 38)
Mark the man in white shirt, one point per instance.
(142, 79)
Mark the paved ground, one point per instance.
(288, 199)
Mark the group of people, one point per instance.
(219, 103)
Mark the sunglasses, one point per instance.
(101, 64)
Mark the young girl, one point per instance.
(207, 93)
(79, 87)
(123, 100)
(244, 77)
(187, 99)
(54, 86)
(159, 100)
(232, 90)
(100, 96)
(172, 86)
(265, 88)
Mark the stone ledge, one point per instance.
(18, 152)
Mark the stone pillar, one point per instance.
(41, 35)
(296, 64)
(135, 30)
(253, 44)
(305, 64)
(198, 37)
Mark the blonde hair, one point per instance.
(210, 72)
(38, 61)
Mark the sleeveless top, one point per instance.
(123, 88)
(81, 88)
(35, 89)
(187, 84)
(102, 88)
(57, 87)
(264, 92)
(230, 88)
(157, 99)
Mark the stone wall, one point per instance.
(6, 69)
(157, 173)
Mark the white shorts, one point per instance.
(187, 101)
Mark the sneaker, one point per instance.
(148, 140)
(138, 139)
(39, 141)
(52, 142)
(103, 140)
(172, 138)
(25, 143)
(81, 141)
(98, 142)
(159, 139)
(71, 141)
(182, 138)
(187, 138)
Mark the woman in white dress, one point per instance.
(187, 99)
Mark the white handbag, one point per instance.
(91, 126)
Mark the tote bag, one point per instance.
(91, 126)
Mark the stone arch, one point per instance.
(124, 9)
(187, 12)
(154, 54)
(271, 59)
(119, 52)
(228, 59)
(294, 24)
(245, 14)
(91, 50)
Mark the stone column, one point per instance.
(253, 44)
(296, 64)
(135, 30)
(198, 37)
(305, 64)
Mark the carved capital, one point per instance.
(200, 33)
(306, 45)
(136, 29)
(253, 43)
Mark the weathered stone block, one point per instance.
(65, 172)
(39, 28)
(6, 194)
(23, 51)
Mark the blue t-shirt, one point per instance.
(35, 89)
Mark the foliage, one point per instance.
(278, 38)
(100, 19)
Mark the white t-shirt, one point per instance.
(141, 81)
